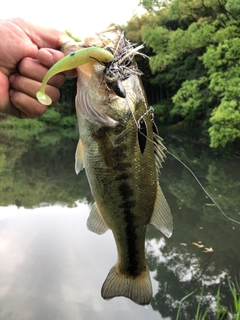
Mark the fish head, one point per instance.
(103, 87)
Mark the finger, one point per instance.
(49, 56)
(9, 109)
(29, 87)
(5, 104)
(33, 69)
(28, 107)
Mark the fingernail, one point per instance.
(45, 56)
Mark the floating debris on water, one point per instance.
(198, 245)
(208, 249)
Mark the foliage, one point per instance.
(191, 106)
(53, 117)
(152, 5)
(40, 169)
(235, 288)
(61, 114)
(22, 129)
(233, 7)
(133, 31)
(195, 55)
(180, 303)
(222, 312)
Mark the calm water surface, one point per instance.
(52, 267)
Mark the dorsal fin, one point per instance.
(158, 151)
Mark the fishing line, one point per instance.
(195, 177)
(133, 115)
(192, 173)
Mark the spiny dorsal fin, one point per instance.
(158, 151)
(95, 222)
(79, 156)
(162, 218)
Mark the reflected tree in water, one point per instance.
(40, 170)
(179, 266)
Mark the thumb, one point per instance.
(42, 37)
(48, 57)
(48, 38)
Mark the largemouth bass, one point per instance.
(121, 152)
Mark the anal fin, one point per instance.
(162, 218)
(95, 222)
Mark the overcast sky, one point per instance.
(80, 17)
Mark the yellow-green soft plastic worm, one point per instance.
(71, 61)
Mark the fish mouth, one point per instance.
(123, 65)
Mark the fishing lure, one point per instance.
(71, 61)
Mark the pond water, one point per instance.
(52, 267)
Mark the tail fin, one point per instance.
(138, 289)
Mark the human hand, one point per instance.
(27, 51)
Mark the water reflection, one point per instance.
(52, 267)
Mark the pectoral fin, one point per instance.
(95, 222)
(162, 218)
(79, 156)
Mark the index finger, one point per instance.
(48, 57)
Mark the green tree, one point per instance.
(197, 60)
